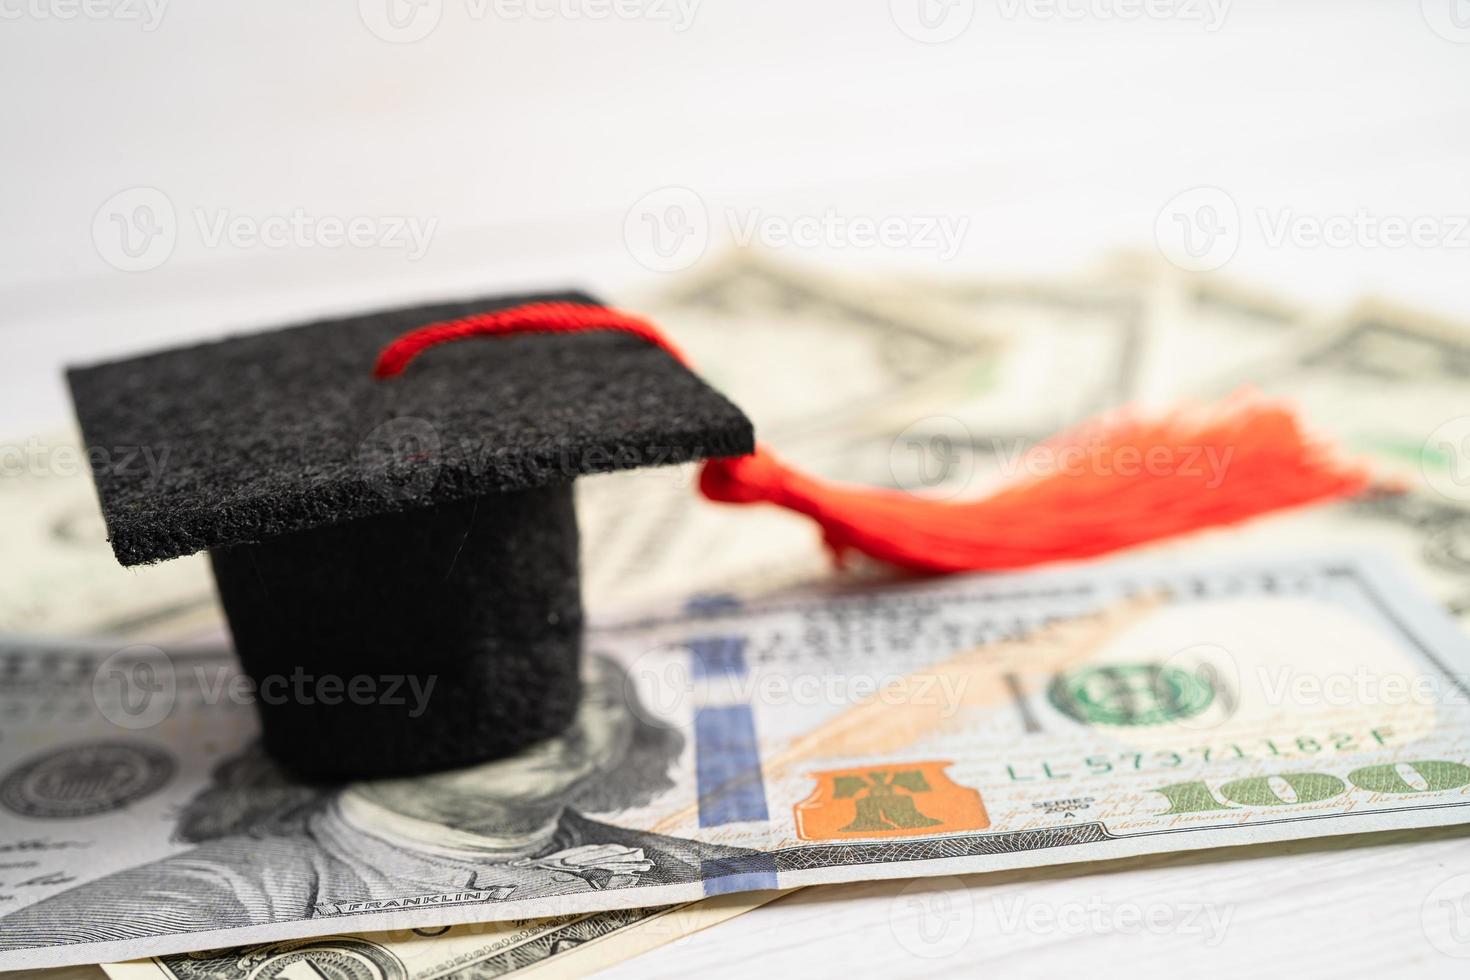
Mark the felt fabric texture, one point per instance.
(410, 642)
(277, 432)
(397, 558)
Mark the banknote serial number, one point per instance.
(1158, 759)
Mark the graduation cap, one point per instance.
(367, 519)
(362, 530)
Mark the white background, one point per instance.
(1055, 133)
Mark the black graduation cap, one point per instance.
(365, 530)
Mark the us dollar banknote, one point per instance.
(927, 386)
(836, 356)
(57, 574)
(563, 946)
(976, 724)
(1384, 380)
(1199, 328)
(958, 433)
(1388, 385)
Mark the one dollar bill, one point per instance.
(976, 724)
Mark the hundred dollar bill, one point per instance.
(976, 724)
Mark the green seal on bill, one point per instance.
(1130, 694)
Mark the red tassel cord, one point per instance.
(530, 318)
(1117, 481)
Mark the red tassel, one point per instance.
(1129, 481)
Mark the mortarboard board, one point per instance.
(423, 529)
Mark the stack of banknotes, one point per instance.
(755, 721)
